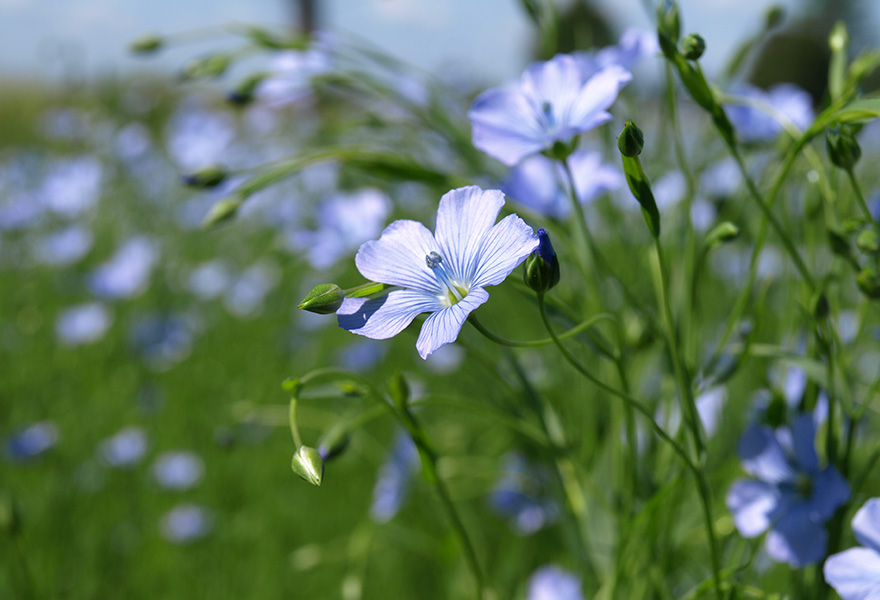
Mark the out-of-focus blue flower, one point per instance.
(551, 102)
(32, 441)
(178, 470)
(19, 211)
(125, 449)
(64, 247)
(185, 523)
(710, 404)
(126, 274)
(669, 189)
(635, 44)
(790, 496)
(83, 324)
(444, 273)
(291, 76)
(855, 573)
(540, 183)
(445, 359)
(345, 221)
(72, 185)
(198, 138)
(522, 495)
(361, 356)
(209, 280)
(554, 583)
(132, 141)
(721, 179)
(394, 477)
(162, 340)
(786, 99)
(246, 296)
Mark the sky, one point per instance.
(487, 38)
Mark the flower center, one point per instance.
(547, 112)
(454, 292)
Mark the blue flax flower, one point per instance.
(855, 573)
(392, 484)
(790, 495)
(552, 102)
(522, 495)
(786, 100)
(444, 273)
(553, 583)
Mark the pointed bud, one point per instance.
(868, 240)
(308, 464)
(243, 93)
(721, 234)
(221, 212)
(843, 148)
(541, 268)
(324, 299)
(209, 177)
(693, 46)
(209, 67)
(631, 140)
(773, 17)
(399, 391)
(147, 44)
(668, 27)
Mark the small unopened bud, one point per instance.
(838, 242)
(308, 464)
(693, 46)
(221, 212)
(324, 299)
(399, 391)
(668, 26)
(843, 149)
(721, 234)
(541, 268)
(209, 177)
(868, 240)
(210, 66)
(146, 44)
(243, 93)
(868, 280)
(773, 17)
(631, 140)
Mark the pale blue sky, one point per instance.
(487, 38)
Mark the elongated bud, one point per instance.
(631, 140)
(693, 46)
(147, 44)
(222, 211)
(209, 177)
(773, 17)
(541, 268)
(209, 67)
(324, 299)
(635, 176)
(843, 149)
(308, 464)
(668, 27)
(398, 389)
(868, 240)
(868, 280)
(721, 234)
(243, 93)
(334, 443)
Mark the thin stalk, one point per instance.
(472, 319)
(860, 197)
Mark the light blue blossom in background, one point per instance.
(721, 179)
(199, 138)
(361, 356)
(126, 274)
(553, 583)
(209, 280)
(125, 449)
(855, 573)
(290, 76)
(753, 125)
(83, 324)
(64, 247)
(443, 273)
(178, 470)
(185, 523)
(523, 496)
(394, 477)
(634, 45)
(32, 441)
(72, 185)
(540, 183)
(790, 495)
(162, 340)
(246, 296)
(552, 102)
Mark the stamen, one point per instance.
(454, 292)
(547, 109)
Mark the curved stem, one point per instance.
(472, 319)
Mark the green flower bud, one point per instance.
(721, 234)
(243, 93)
(631, 140)
(668, 27)
(773, 17)
(541, 268)
(308, 464)
(222, 211)
(843, 149)
(838, 242)
(693, 46)
(868, 240)
(147, 44)
(209, 177)
(868, 280)
(210, 67)
(324, 299)
(398, 389)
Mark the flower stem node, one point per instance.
(209, 177)
(868, 241)
(308, 464)
(721, 234)
(868, 280)
(398, 389)
(541, 268)
(843, 148)
(693, 46)
(324, 299)
(147, 44)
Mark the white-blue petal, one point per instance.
(830, 490)
(866, 524)
(854, 574)
(503, 248)
(386, 316)
(597, 95)
(464, 217)
(505, 126)
(763, 457)
(398, 257)
(443, 326)
(751, 503)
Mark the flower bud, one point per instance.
(398, 389)
(721, 234)
(868, 240)
(773, 17)
(868, 280)
(693, 46)
(631, 140)
(324, 299)
(243, 93)
(147, 44)
(308, 464)
(843, 149)
(209, 177)
(210, 67)
(222, 211)
(541, 268)
(668, 27)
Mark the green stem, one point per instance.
(294, 430)
(860, 197)
(472, 319)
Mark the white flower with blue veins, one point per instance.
(443, 273)
(855, 573)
